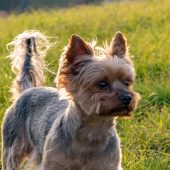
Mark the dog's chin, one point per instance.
(121, 112)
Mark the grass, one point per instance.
(145, 137)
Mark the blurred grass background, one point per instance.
(146, 136)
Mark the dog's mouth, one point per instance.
(120, 111)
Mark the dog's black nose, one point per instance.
(125, 98)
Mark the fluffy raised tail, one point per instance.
(27, 60)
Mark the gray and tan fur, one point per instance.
(71, 127)
(27, 60)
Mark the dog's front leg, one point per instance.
(54, 161)
(52, 166)
(102, 166)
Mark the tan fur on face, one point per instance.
(113, 69)
(80, 77)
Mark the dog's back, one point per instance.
(29, 119)
(28, 65)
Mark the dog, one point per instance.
(71, 127)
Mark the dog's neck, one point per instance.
(92, 131)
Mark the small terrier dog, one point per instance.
(71, 127)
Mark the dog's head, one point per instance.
(99, 82)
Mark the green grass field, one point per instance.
(146, 136)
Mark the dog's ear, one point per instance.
(119, 45)
(77, 47)
(76, 55)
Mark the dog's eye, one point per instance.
(103, 85)
(127, 83)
